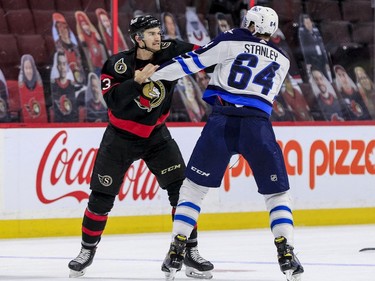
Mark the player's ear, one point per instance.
(138, 37)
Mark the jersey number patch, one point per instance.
(242, 68)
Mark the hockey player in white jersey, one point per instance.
(248, 75)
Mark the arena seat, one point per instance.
(174, 7)
(43, 21)
(15, 4)
(14, 99)
(20, 21)
(48, 5)
(68, 5)
(34, 45)
(363, 32)
(3, 23)
(9, 56)
(335, 34)
(358, 10)
(288, 10)
(92, 5)
(323, 10)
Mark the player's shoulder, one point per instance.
(235, 34)
(119, 63)
(174, 43)
(124, 55)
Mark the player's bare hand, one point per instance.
(141, 76)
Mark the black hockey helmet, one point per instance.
(141, 23)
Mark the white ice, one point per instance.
(327, 253)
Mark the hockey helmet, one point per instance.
(265, 20)
(141, 23)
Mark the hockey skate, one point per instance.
(175, 257)
(289, 263)
(81, 262)
(196, 266)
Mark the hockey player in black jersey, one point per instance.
(137, 110)
(249, 73)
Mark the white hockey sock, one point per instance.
(188, 208)
(281, 217)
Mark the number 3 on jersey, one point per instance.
(242, 69)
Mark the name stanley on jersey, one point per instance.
(262, 51)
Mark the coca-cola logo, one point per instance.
(62, 165)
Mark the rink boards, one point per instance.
(45, 175)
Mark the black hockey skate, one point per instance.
(81, 262)
(289, 264)
(175, 257)
(196, 266)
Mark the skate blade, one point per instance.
(76, 274)
(169, 276)
(290, 277)
(193, 273)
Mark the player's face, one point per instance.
(28, 69)
(152, 38)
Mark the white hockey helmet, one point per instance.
(265, 20)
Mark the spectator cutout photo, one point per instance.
(295, 100)
(31, 91)
(66, 41)
(366, 89)
(196, 32)
(105, 29)
(64, 102)
(170, 27)
(190, 95)
(351, 98)
(4, 114)
(96, 109)
(91, 43)
(326, 101)
(222, 23)
(312, 46)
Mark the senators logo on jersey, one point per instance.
(33, 108)
(153, 94)
(120, 66)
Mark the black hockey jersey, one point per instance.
(135, 108)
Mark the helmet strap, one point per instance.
(147, 48)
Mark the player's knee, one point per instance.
(192, 192)
(101, 203)
(173, 190)
(278, 199)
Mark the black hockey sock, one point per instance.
(193, 239)
(92, 228)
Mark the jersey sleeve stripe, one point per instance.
(196, 60)
(184, 66)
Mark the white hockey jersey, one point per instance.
(249, 71)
